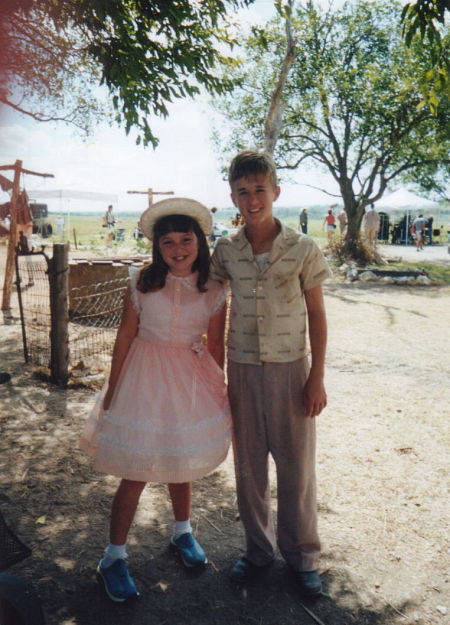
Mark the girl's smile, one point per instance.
(179, 251)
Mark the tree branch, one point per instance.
(41, 118)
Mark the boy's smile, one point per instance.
(179, 251)
(254, 196)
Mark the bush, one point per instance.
(356, 251)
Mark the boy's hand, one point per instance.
(314, 396)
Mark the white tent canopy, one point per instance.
(403, 201)
(402, 198)
(71, 194)
(68, 195)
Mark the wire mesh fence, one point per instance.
(94, 315)
(34, 292)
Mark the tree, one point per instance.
(45, 72)
(425, 18)
(351, 102)
(146, 52)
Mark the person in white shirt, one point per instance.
(419, 231)
(371, 226)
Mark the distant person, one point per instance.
(109, 218)
(236, 221)
(212, 236)
(371, 226)
(419, 231)
(60, 226)
(342, 219)
(26, 246)
(303, 219)
(330, 222)
(429, 225)
(163, 415)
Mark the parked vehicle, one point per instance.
(41, 225)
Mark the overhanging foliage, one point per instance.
(147, 52)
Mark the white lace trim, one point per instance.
(189, 281)
(147, 426)
(133, 272)
(194, 448)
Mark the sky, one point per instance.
(109, 162)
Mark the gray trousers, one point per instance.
(268, 417)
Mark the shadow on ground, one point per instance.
(59, 507)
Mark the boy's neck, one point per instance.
(261, 236)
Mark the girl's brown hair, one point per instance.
(153, 276)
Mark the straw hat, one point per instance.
(175, 206)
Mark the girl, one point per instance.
(163, 416)
(331, 224)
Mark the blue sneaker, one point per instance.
(118, 583)
(190, 551)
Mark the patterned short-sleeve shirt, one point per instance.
(268, 311)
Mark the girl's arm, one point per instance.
(125, 335)
(216, 336)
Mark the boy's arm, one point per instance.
(314, 395)
(216, 336)
(217, 270)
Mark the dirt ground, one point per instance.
(383, 466)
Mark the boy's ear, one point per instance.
(232, 199)
(277, 191)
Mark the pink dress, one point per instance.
(169, 419)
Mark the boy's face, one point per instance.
(254, 196)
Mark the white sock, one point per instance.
(182, 527)
(113, 553)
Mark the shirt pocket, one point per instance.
(287, 288)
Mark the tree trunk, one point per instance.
(274, 118)
(355, 212)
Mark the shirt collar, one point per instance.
(190, 280)
(240, 238)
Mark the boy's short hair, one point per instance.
(252, 163)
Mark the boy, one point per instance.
(276, 275)
(419, 231)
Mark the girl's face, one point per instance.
(179, 251)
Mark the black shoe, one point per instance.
(4, 377)
(309, 582)
(244, 571)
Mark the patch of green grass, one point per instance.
(437, 273)
(315, 229)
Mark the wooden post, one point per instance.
(9, 269)
(59, 310)
(150, 193)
